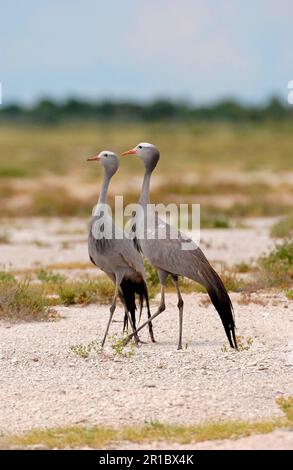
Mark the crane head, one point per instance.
(147, 152)
(108, 159)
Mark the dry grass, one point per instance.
(286, 405)
(70, 266)
(289, 294)
(19, 300)
(85, 292)
(247, 298)
(102, 437)
(276, 268)
(284, 228)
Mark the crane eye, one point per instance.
(140, 146)
(105, 155)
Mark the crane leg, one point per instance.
(112, 310)
(180, 308)
(161, 309)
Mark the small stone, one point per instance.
(263, 367)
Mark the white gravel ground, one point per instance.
(44, 384)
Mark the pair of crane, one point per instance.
(120, 256)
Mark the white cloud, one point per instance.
(186, 33)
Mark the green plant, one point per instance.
(21, 300)
(276, 268)
(5, 276)
(244, 344)
(77, 292)
(4, 238)
(286, 405)
(289, 294)
(284, 228)
(119, 347)
(84, 350)
(242, 267)
(50, 277)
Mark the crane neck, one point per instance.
(145, 190)
(104, 190)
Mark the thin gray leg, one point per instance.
(180, 308)
(112, 310)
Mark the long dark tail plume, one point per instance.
(129, 289)
(221, 301)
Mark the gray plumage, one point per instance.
(167, 256)
(115, 254)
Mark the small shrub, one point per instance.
(50, 277)
(289, 294)
(4, 238)
(231, 281)
(85, 292)
(244, 344)
(5, 276)
(20, 300)
(151, 274)
(84, 350)
(276, 268)
(119, 347)
(284, 228)
(286, 405)
(242, 267)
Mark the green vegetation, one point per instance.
(284, 228)
(6, 277)
(119, 347)
(51, 112)
(98, 437)
(102, 437)
(286, 405)
(242, 268)
(4, 238)
(289, 294)
(85, 292)
(84, 350)
(197, 148)
(21, 300)
(50, 277)
(276, 268)
(244, 344)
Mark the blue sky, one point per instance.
(201, 50)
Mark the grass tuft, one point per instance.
(20, 300)
(276, 268)
(289, 294)
(286, 405)
(98, 437)
(284, 228)
(50, 277)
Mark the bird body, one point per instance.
(114, 253)
(165, 253)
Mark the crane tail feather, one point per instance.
(221, 301)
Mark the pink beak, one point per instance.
(92, 159)
(129, 152)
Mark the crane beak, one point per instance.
(129, 152)
(92, 159)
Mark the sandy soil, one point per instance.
(35, 242)
(44, 384)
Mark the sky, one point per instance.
(198, 50)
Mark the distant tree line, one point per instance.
(48, 111)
